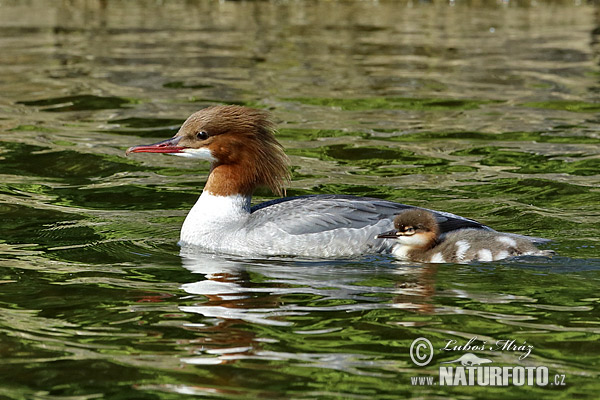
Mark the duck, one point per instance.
(418, 238)
(240, 144)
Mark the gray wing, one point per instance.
(319, 213)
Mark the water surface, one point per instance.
(485, 109)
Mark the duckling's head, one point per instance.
(414, 227)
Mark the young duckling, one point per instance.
(419, 240)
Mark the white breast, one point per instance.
(215, 221)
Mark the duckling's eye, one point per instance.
(409, 230)
(202, 135)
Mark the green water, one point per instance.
(485, 109)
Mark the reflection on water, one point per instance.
(486, 109)
(285, 293)
(228, 288)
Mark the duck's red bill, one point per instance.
(166, 146)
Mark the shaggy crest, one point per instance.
(247, 154)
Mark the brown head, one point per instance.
(240, 144)
(415, 227)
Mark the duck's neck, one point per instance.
(231, 180)
(223, 208)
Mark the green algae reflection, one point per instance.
(85, 102)
(391, 103)
(565, 105)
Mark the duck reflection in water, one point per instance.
(239, 294)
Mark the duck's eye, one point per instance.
(409, 230)
(202, 135)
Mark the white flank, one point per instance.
(501, 255)
(463, 246)
(437, 258)
(484, 255)
(507, 240)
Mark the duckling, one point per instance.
(419, 240)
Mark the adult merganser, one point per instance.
(239, 143)
(417, 236)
